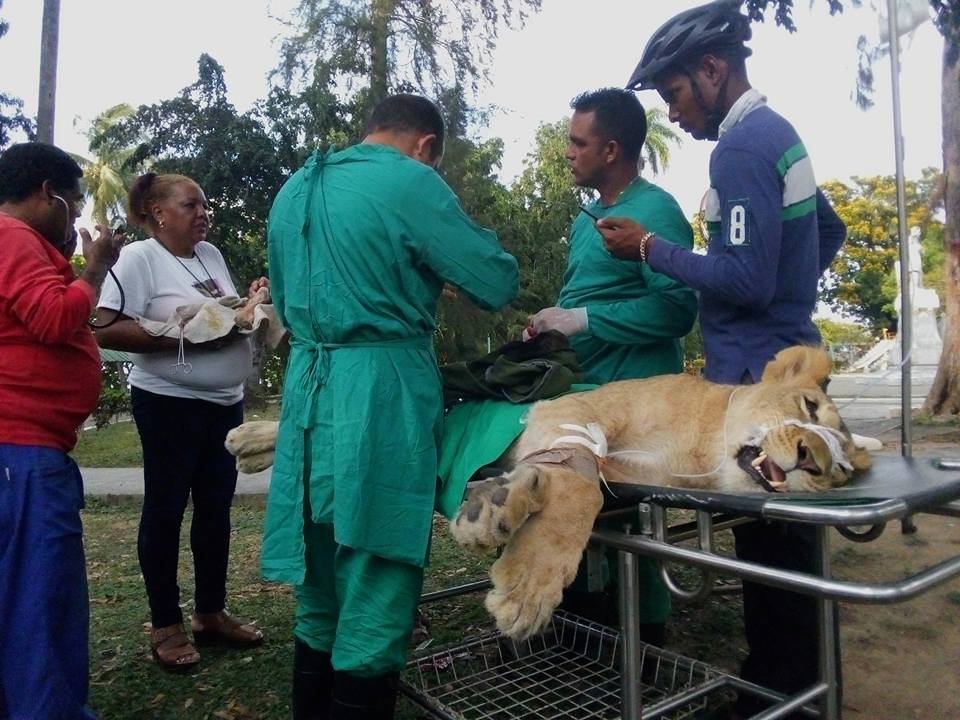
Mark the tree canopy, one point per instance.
(240, 160)
(12, 118)
(861, 283)
(944, 397)
(392, 45)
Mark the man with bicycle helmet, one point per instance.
(772, 233)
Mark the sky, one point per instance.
(135, 51)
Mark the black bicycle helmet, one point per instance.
(716, 24)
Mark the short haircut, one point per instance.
(24, 167)
(405, 112)
(618, 116)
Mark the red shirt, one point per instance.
(49, 361)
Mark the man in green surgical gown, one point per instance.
(624, 320)
(361, 242)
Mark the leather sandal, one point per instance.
(172, 649)
(222, 627)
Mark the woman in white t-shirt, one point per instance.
(184, 403)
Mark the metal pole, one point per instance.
(906, 331)
(829, 669)
(49, 43)
(631, 689)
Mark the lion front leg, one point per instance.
(541, 558)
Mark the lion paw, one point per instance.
(525, 596)
(253, 437)
(495, 509)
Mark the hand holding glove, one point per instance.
(568, 321)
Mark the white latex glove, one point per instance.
(569, 322)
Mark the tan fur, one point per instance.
(252, 444)
(680, 431)
(674, 426)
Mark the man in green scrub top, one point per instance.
(361, 242)
(624, 320)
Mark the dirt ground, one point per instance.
(903, 660)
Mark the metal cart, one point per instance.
(577, 669)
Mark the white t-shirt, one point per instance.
(155, 283)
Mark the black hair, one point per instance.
(617, 115)
(405, 112)
(24, 167)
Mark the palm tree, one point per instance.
(656, 148)
(105, 176)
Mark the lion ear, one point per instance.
(800, 362)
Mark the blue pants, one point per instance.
(44, 609)
(184, 457)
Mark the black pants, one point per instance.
(183, 455)
(781, 626)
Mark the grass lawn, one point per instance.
(242, 685)
(228, 684)
(118, 445)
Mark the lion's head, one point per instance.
(790, 436)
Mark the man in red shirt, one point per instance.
(49, 384)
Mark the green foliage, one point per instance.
(107, 176)
(656, 146)
(861, 283)
(833, 332)
(694, 357)
(234, 157)
(12, 118)
(395, 45)
(114, 395)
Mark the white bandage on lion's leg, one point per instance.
(494, 510)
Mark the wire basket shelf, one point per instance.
(571, 671)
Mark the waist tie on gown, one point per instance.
(318, 368)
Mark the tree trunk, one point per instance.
(49, 43)
(944, 397)
(381, 11)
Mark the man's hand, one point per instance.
(100, 254)
(622, 236)
(569, 322)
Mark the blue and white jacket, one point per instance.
(772, 233)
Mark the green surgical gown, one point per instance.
(636, 316)
(360, 244)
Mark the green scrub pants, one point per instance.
(356, 606)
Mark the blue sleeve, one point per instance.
(669, 308)
(741, 264)
(831, 229)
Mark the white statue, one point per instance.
(924, 303)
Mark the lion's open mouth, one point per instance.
(761, 468)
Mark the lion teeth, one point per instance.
(759, 460)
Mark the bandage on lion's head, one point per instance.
(800, 442)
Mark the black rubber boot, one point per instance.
(312, 682)
(359, 698)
